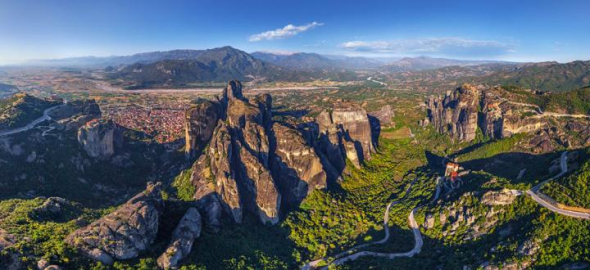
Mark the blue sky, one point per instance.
(503, 30)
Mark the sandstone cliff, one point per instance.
(126, 232)
(461, 112)
(345, 131)
(297, 167)
(255, 166)
(97, 138)
(233, 174)
(200, 121)
(456, 113)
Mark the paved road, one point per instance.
(376, 81)
(352, 254)
(32, 124)
(542, 114)
(552, 114)
(534, 193)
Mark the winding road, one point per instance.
(541, 113)
(32, 124)
(534, 193)
(353, 253)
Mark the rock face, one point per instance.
(298, 168)
(384, 115)
(253, 165)
(200, 121)
(460, 112)
(126, 232)
(215, 179)
(97, 138)
(346, 132)
(456, 113)
(233, 91)
(188, 229)
(233, 174)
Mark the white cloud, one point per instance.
(285, 32)
(434, 46)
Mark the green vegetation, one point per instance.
(249, 245)
(493, 148)
(547, 77)
(330, 221)
(573, 102)
(40, 237)
(185, 190)
(572, 189)
(65, 170)
(20, 109)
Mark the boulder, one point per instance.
(124, 233)
(528, 248)
(183, 236)
(52, 207)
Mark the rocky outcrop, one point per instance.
(200, 122)
(345, 131)
(233, 173)
(255, 166)
(97, 138)
(53, 207)
(384, 115)
(298, 169)
(207, 198)
(461, 112)
(126, 232)
(513, 124)
(215, 179)
(6, 240)
(461, 216)
(502, 197)
(258, 184)
(456, 113)
(233, 90)
(356, 128)
(183, 236)
(528, 248)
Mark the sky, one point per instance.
(493, 30)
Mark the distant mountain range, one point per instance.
(316, 61)
(427, 63)
(93, 61)
(213, 65)
(544, 76)
(184, 68)
(297, 61)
